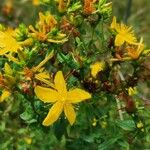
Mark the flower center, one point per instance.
(62, 97)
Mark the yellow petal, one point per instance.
(46, 59)
(53, 114)
(140, 47)
(3, 51)
(40, 78)
(22, 55)
(11, 58)
(10, 80)
(8, 43)
(135, 53)
(119, 40)
(70, 113)
(32, 29)
(46, 94)
(44, 75)
(27, 42)
(132, 91)
(96, 67)
(57, 41)
(113, 24)
(41, 17)
(8, 70)
(60, 83)
(130, 38)
(77, 95)
(5, 94)
(146, 51)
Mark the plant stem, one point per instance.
(119, 109)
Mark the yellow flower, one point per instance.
(8, 43)
(97, 67)
(28, 140)
(94, 123)
(124, 33)
(140, 125)
(61, 98)
(35, 2)
(5, 95)
(45, 25)
(132, 91)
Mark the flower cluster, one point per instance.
(76, 65)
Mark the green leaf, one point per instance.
(2, 126)
(68, 59)
(7, 143)
(72, 81)
(91, 138)
(62, 58)
(74, 7)
(127, 125)
(105, 145)
(101, 2)
(124, 144)
(78, 41)
(60, 128)
(28, 115)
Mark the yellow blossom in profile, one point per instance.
(38, 72)
(97, 67)
(46, 23)
(135, 53)
(61, 98)
(8, 43)
(44, 26)
(124, 33)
